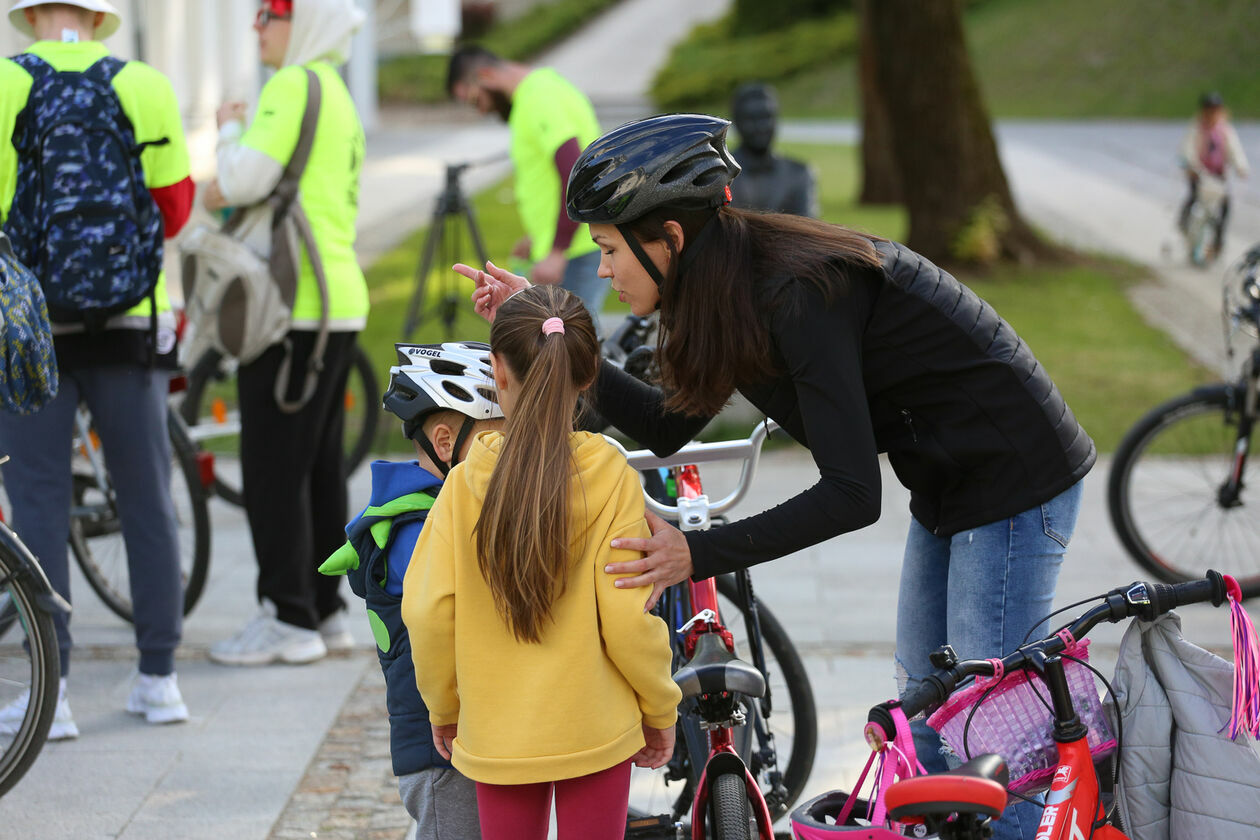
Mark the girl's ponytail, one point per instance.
(547, 340)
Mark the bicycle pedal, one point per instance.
(659, 827)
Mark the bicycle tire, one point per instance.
(96, 532)
(210, 402)
(1162, 492)
(730, 813)
(31, 664)
(795, 728)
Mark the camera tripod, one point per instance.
(451, 206)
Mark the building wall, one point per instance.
(208, 49)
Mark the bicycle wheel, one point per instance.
(29, 663)
(363, 409)
(96, 531)
(1165, 492)
(730, 813)
(789, 732)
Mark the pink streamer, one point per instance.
(1245, 716)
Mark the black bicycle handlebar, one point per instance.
(1139, 599)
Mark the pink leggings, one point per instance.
(589, 807)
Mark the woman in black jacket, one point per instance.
(855, 346)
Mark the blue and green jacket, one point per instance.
(374, 561)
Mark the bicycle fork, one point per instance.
(710, 648)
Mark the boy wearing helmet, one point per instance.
(445, 395)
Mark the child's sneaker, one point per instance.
(157, 698)
(334, 633)
(63, 726)
(265, 640)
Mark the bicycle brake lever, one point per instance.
(707, 616)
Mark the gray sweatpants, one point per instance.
(443, 802)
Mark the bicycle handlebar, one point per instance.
(1139, 599)
(749, 450)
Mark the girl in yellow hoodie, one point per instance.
(540, 675)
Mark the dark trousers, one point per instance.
(128, 408)
(294, 477)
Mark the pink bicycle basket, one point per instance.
(1015, 721)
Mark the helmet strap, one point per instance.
(696, 245)
(637, 249)
(464, 431)
(427, 445)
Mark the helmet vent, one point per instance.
(448, 368)
(457, 392)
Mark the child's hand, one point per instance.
(493, 286)
(657, 751)
(444, 739)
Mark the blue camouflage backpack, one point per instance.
(28, 364)
(82, 219)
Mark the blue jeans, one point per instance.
(581, 276)
(981, 591)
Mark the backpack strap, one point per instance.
(285, 204)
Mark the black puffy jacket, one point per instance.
(907, 361)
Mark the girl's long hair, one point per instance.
(523, 539)
(712, 335)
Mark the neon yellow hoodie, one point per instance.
(574, 703)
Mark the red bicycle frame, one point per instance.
(1073, 807)
(693, 514)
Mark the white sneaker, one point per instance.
(157, 698)
(334, 633)
(63, 726)
(265, 640)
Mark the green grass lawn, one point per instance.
(1110, 366)
(1068, 58)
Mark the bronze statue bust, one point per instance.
(768, 181)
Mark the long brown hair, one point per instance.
(712, 335)
(523, 548)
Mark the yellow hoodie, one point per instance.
(573, 704)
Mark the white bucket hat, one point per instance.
(112, 20)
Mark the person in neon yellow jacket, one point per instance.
(291, 463)
(120, 371)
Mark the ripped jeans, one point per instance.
(980, 590)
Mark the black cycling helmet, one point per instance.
(679, 160)
(1211, 99)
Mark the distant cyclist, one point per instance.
(1211, 147)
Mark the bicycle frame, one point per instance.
(694, 511)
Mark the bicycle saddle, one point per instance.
(977, 787)
(714, 669)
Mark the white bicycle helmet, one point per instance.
(454, 376)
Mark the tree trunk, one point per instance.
(955, 191)
(881, 183)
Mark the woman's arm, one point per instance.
(638, 411)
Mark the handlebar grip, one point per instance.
(931, 692)
(1164, 597)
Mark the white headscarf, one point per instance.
(322, 29)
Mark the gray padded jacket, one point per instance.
(1181, 777)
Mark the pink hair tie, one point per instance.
(553, 325)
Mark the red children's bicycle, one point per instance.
(959, 804)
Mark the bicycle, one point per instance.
(742, 762)
(958, 804)
(1205, 216)
(29, 659)
(1179, 492)
(209, 408)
